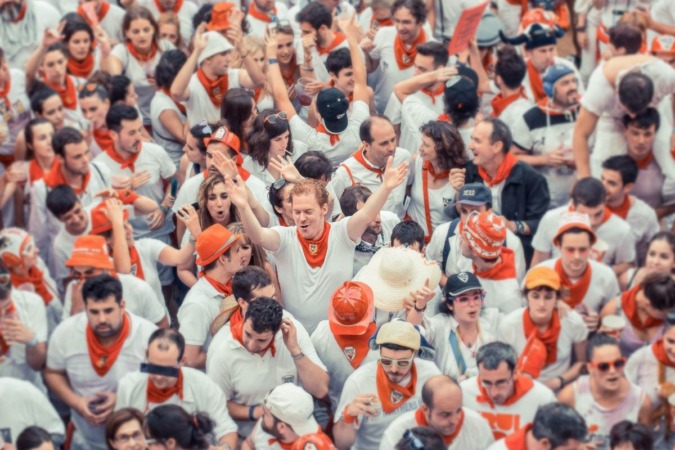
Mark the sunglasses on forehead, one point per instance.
(275, 118)
(5, 278)
(276, 23)
(414, 441)
(280, 183)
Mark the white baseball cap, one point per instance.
(293, 405)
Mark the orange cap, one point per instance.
(664, 44)
(573, 219)
(228, 138)
(351, 309)
(99, 220)
(92, 251)
(220, 16)
(541, 276)
(314, 441)
(213, 242)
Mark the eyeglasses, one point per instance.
(274, 118)
(466, 299)
(604, 366)
(401, 363)
(125, 438)
(416, 443)
(279, 184)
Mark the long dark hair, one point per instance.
(173, 422)
(447, 142)
(73, 24)
(140, 12)
(236, 109)
(28, 133)
(263, 132)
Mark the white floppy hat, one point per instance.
(215, 44)
(393, 272)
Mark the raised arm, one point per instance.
(277, 84)
(414, 84)
(179, 88)
(253, 75)
(350, 28)
(269, 239)
(583, 129)
(49, 37)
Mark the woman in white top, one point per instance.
(45, 103)
(660, 258)
(256, 47)
(84, 52)
(544, 337)
(239, 111)
(442, 149)
(137, 58)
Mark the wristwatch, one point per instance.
(272, 61)
(33, 342)
(298, 356)
(520, 227)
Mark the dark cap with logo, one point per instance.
(333, 105)
(460, 283)
(474, 194)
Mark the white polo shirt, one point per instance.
(68, 351)
(24, 405)
(247, 378)
(474, 434)
(200, 393)
(139, 299)
(306, 290)
(643, 223)
(573, 331)
(160, 103)
(349, 138)
(185, 15)
(335, 360)
(148, 251)
(615, 239)
(602, 288)
(506, 419)
(32, 312)
(195, 316)
(199, 105)
(411, 139)
(156, 161)
(352, 172)
(363, 381)
(257, 27)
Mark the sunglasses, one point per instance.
(400, 363)
(275, 118)
(466, 299)
(276, 23)
(414, 441)
(279, 184)
(604, 366)
(206, 128)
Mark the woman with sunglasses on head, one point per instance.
(280, 200)
(644, 307)
(660, 258)
(544, 337)
(462, 326)
(193, 160)
(605, 396)
(124, 430)
(170, 427)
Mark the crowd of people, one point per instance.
(333, 224)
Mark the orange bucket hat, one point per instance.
(91, 251)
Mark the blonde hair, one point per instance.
(253, 44)
(258, 257)
(172, 19)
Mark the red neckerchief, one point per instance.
(433, 94)
(536, 84)
(104, 140)
(68, 93)
(503, 171)
(503, 270)
(315, 251)
(339, 38)
(282, 221)
(444, 117)
(136, 266)
(180, 107)
(22, 13)
(101, 12)
(500, 103)
(488, 63)
(4, 346)
(124, 163)
(428, 168)
(623, 209)
(660, 354)
(223, 288)
(289, 75)
(35, 172)
(518, 440)
(549, 337)
(142, 58)
(436, 176)
(283, 445)
(359, 156)
(421, 420)
(405, 58)
(629, 306)
(573, 293)
(215, 89)
(81, 69)
(237, 331)
(334, 138)
(158, 396)
(4, 93)
(521, 386)
(102, 358)
(645, 162)
(377, 24)
(354, 347)
(261, 16)
(36, 279)
(55, 177)
(386, 389)
(236, 317)
(176, 7)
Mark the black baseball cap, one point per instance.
(474, 194)
(460, 283)
(332, 104)
(460, 94)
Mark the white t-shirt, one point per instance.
(199, 105)
(643, 223)
(200, 393)
(642, 369)
(148, 251)
(68, 352)
(411, 139)
(257, 27)
(501, 293)
(363, 381)
(415, 112)
(62, 247)
(439, 199)
(474, 434)
(160, 103)
(306, 290)
(247, 378)
(195, 316)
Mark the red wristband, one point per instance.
(348, 418)
(127, 196)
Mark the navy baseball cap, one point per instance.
(333, 105)
(475, 194)
(460, 283)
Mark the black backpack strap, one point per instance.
(446, 245)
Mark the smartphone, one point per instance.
(174, 187)
(94, 404)
(195, 205)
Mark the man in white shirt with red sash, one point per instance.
(262, 13)
(460, 428)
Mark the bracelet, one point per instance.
(562, 382)
(192, 240)
(419, 309)
(308, 69)
(298, 356)
(272, 61)
(251, 410)
(164, 209)
(348, 418)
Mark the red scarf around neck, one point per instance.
(421, 420)
(660, 354)
(81, 69)
(136, 265)
(354, 347)
(623, 209)
(22, 13)
(339, 39)
(549, 337)
(224, 288)
(176, 8)
(377, 24)
(436, 176)
(237, 331)
(68, 93)
(261, 16)
(55, 177)
(36, 172)
(503, 270)
(500, 103)
(361, 158)
(630, 309)
(503, 171)
(138, 56)
(158, 396)
(103, 358)
(124, 163)
(521, 386)
(445, 117)
(334, 138)
(36, 279)
(518, 440)
(405, 57)
(536, 83)
(573, 293)
(645, 162)
(104, 140)
(4, 92)
(215, 89)
(386, 389)
(4, 345)
(315, 251)
(289, 75)
(434, 94)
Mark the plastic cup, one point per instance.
(303, 97)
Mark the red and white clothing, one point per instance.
(357, 169)
(14, 111)
(69, 351)
(263, 441)
(410, 139)
(364, 381)
(341, 357)
(198, 311)
(185, 10)
(258, 20)
(473, 433)
(162, 102)
(650, 183)
(642, 220)
(307, 290)
(572, 330)
(533, 84)
(615, 242)
(500, 284)
(231, 367)
(62, 247)
(517, 410)
(511, 108)
(644, 369)
(147, 251)
(319, 55)
(195, 392)
(200, 105)
(80, 71)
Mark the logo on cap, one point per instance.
(463, 277)
(309, 446)
(396, 397)
(340, 116)
(469, 192)
(350, 353)
(220, 133)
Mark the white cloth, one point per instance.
(257, 27)
(199, 105)
(195, 316)
(148, 251)
(160, 103)
(17, 115)
(642, 369)
(410, 139)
